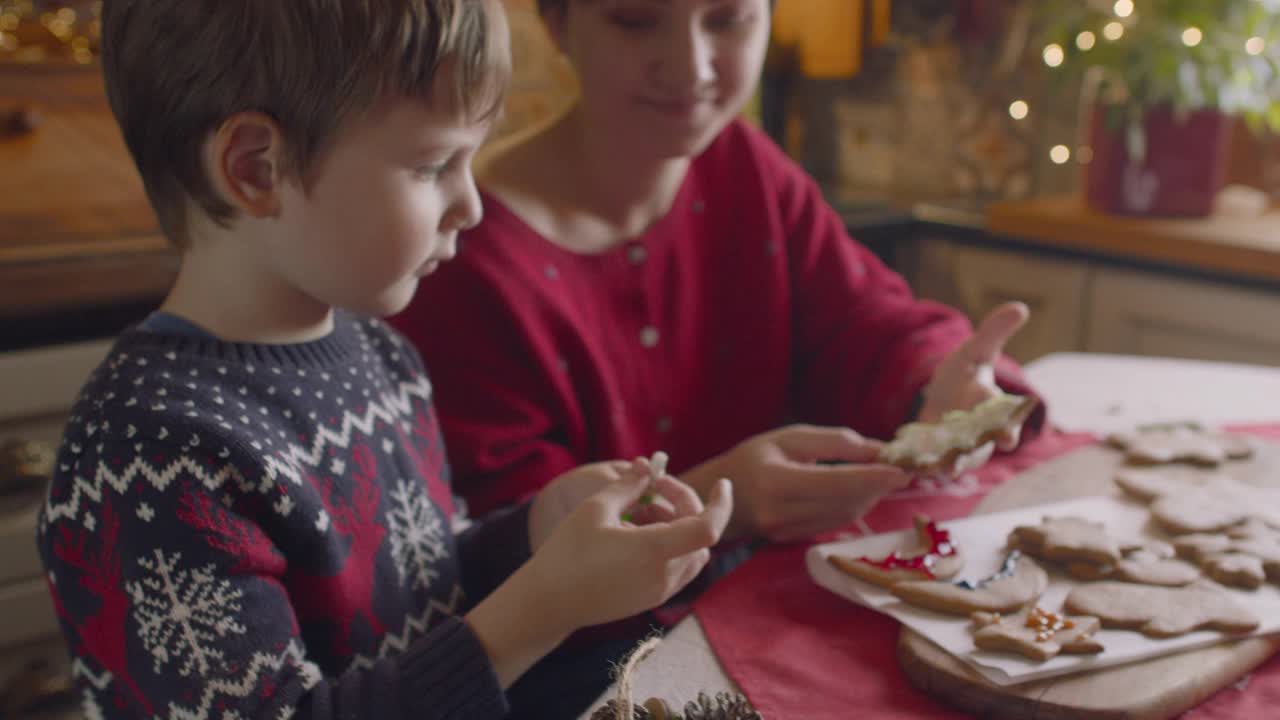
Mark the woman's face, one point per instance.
(663, 77)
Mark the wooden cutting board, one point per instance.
(1158, 688)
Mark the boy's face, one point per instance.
(665, 74)
(392, 193)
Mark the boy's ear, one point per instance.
(244, 159)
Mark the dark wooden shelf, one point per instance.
(76, 230)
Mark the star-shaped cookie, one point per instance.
(1067, 539)
(1036, 634)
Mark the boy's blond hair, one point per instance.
(175, 70)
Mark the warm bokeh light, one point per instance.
(1018, 109)
(1113, 31)
(1086, 40)
(1054, 55)
(1191, 37)
(1124, 8)
(1255, 45)
(1060, 154)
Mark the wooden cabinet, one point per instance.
(76, 230)
(1088, 304)
(976, 279)
(1206, 289)
(1144, 314)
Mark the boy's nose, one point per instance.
(686, 65)
(449, 250)
(467, 209)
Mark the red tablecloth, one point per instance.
(800, 651)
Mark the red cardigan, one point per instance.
(746, 307)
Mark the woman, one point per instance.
(653, 273)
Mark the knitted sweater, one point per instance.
(238, 530)
(743, 308)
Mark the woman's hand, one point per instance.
(967, 376)
(784, 493)
(564, 494)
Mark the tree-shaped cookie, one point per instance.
(1181, 444)
(925, 448)
(933, 557)
(1037, 634)
(1018, 582)
(1161, 611)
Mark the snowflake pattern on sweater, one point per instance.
(239, 530)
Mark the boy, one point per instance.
(251, 514)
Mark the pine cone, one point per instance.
(725, 706)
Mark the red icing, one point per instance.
(939, 546)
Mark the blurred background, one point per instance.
(972, 121)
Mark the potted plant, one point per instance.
(1163, 82)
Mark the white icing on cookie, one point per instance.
(929, 444)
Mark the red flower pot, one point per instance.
(1182, 171)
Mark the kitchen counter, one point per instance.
(1245, 247)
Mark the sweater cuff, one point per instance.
(447, 675)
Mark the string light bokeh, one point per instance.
(33, 31)
(1124, 16)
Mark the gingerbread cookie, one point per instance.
(1255, 529)
(1151, 483)
(1153, 564)
(1181, 444)
(1235, 569)
(1036, 634)
(1161, 611)
(1068, 539)
(1244, 557)
(1199, 503)
(1215, 509)
(1019, 581)
(934, 558)
(923, 448)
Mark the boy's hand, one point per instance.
(784, 494)
(966, 377)
(596, 567)
(564, 494)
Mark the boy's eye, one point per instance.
(427, 172)
(633, 21)
(727, 19)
